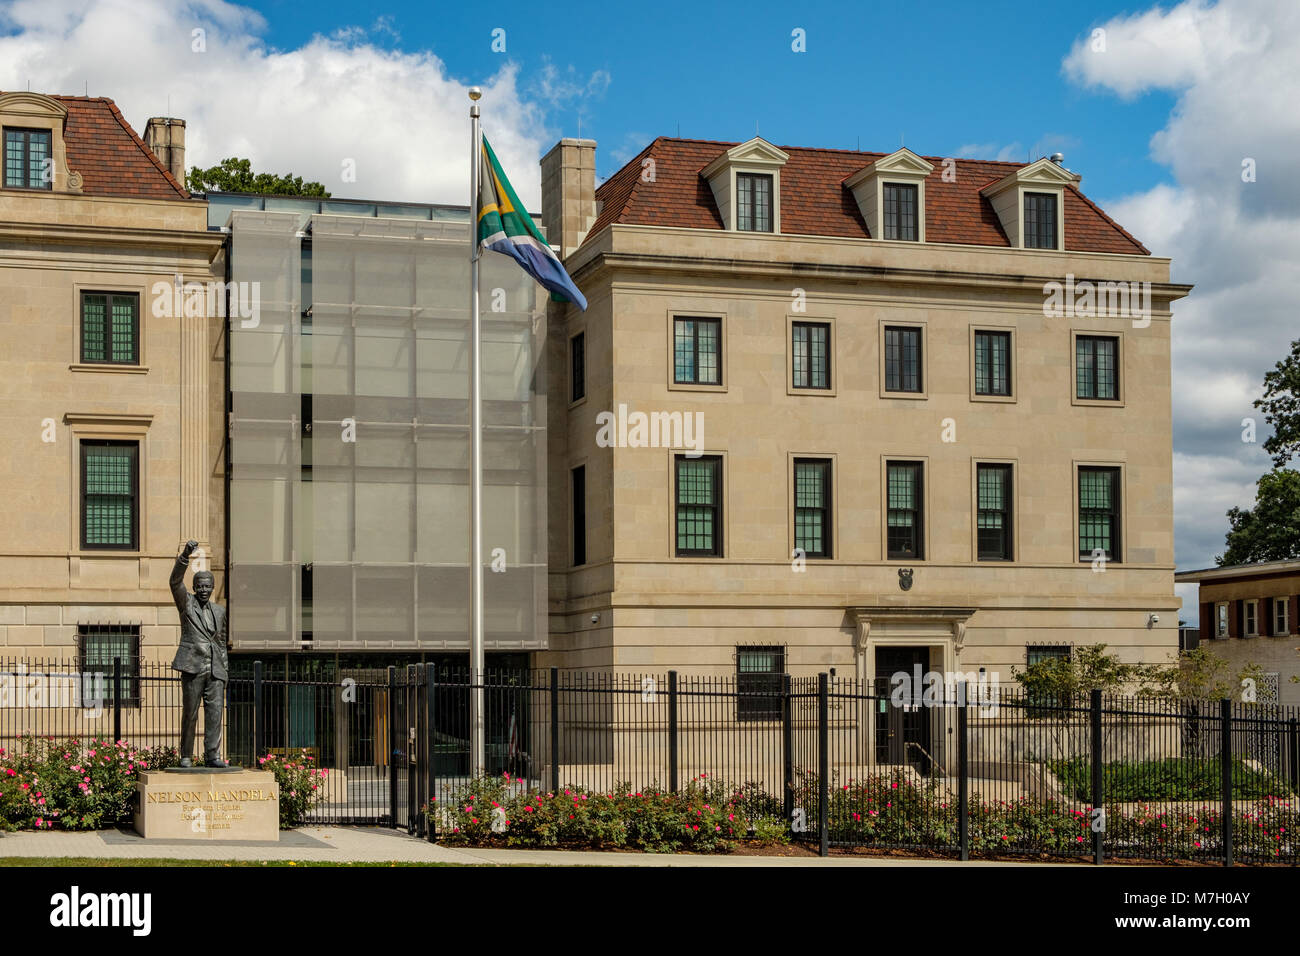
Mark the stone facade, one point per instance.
(93, 233)
(635, 606)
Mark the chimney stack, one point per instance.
(569, 193)
(165, 135)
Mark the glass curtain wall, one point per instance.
(376, 542)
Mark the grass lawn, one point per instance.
(101, 861)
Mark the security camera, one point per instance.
(1153, 620)
(595, 619)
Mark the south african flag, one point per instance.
(504, 226)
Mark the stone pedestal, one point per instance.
(208, 804)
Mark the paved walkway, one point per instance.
(376, 844)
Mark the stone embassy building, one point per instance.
(904, 461)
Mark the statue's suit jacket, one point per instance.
(199, 647)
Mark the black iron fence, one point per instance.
(842, 762)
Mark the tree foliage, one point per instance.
(1281, 405)
(1271, 530)
(236, 175)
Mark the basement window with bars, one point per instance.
(759, 681)
(97, 645)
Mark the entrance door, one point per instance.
(902, 732)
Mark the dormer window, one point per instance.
(34, 153)
(1029, 204)
(891, 196)
(900, 212)
(27, 159)
(746, 184)
(754, 195)
(1040, 220)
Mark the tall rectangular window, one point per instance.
(27, 152)
(905, 511)
(1099, 513)
(697, 351)
(1251, 609)
(577, 367)
(110, 486)
(992, 363)
(754, 202)
(901, 212)
(698, 496)
(110, 327)
(580, 515)
(811, 359)
(1221, 620)
(1040, 220)
(1281, 616)
(759, 682)
(902, 359)
(97, 646)
(812, 507)
(1096, 369)
(993, 519)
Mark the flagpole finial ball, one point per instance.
(475, 93)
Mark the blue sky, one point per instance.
(958, 75)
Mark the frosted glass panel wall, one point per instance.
(381, 512)
(265, 449)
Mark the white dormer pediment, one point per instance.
(755, 156)
(38, 111)
(868, 187)
(1007, 196)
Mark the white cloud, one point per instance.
(399, 115)
(1231, 67)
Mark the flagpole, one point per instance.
(477, 762)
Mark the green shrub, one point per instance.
(302, 784)
(1173, 778)
(72, 784)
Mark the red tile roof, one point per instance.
(815, 201)
(111, 158)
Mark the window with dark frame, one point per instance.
(1099, 525)
(993, 489)
(901, 220)
(580, 515)
(698, 506)
(992, 363)
(97, 645)
(1096, 369)
(902, 359)
(1040, 220)
(577, 367)
(812, 506)
(905, 514)
(759, 682)
(697, 351)
(754, 202)
(110, 328)
(811, 357)
(110, 489)
(27, 155)
(1035, 654)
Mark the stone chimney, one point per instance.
(569, 193)
(166, 137)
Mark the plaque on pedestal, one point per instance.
(206, 803)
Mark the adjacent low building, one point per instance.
(1250, 614)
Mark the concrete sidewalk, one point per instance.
(337, 844)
